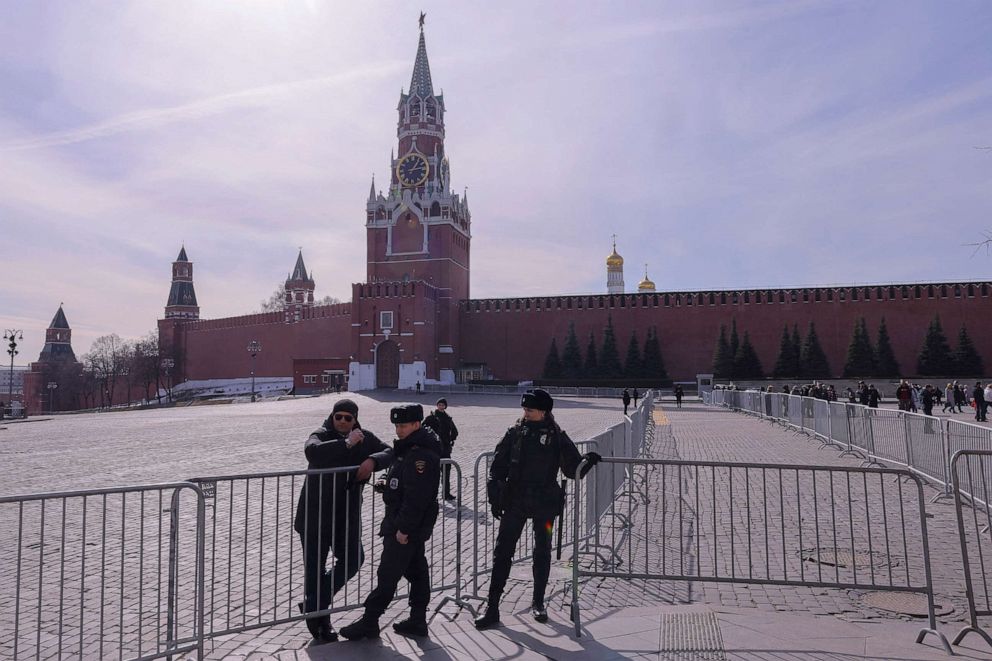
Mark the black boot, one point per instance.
(539, 612)
(364, 627)
(489, 620)
(320, 627)
(415, 625)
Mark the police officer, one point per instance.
(329, 509)
(409, 491)
(440, 422)
(523, 484)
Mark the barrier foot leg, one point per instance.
(941, 496)
(943, 639)
(969, 629)
(462, 603)
(852, 453)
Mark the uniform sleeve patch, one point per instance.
(420, 465)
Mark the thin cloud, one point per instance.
(215, 105)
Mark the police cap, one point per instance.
(537, 399)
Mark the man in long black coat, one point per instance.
(443, 425)
(329, 509)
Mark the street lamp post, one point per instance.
(12, 334)
(168, 364)
(51, 396)
(254, 348)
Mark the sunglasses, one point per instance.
(343, 417)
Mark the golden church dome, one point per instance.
(614, 260)
(646, 284)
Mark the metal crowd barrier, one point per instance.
(254, 559)
(86, 573)
(771, 524)
(557, 391)
(971, 472)
(922, 444)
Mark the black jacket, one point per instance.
(524, 470)
(442, 425)
(326, 448)
(410, 486)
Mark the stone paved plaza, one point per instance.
(621, 619)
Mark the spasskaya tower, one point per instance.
(418, 229)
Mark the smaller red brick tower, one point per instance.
(180, 308)
(56, 359)
(299, 291)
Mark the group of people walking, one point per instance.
(522, 486)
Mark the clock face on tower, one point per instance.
(412, 170)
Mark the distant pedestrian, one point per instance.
(927, 399)
(418, 387)
(959, 397)
(444, 426)
(948, 398)
(978, 395)
(904, 394)
(678, 396)
(626, 400)
(874, 397)
(635, 395)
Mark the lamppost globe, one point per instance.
(254, 348)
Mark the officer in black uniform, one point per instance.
(523, 484)
(441, 423)
(329, 509)
(409, 492)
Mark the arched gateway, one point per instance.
(387, 365)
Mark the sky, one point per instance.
(726, 144)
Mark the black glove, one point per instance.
(494, 492)
(496, 509)
(379, 486)
(591, 459)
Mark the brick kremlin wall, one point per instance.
(512, 335)
(217, 348)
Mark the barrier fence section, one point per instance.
(255, 565)
(770, 524)
(922, 444)
(972, 477)
(556, 391)
(85, 574)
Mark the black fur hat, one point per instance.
(406, 413)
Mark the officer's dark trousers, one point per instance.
(511, 525)
(348, 554)
(446, 469)
(400, 561)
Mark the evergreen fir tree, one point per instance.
(860, 356)
(552, 364)
(885, 357)
(967, 362)
(812, 361)
(784, 362)
(654, 363)
(935, 355)
(722, 358)
(591, 367)
(735, 344)
(633, 367)
(609, 357)
(571, 357)
(797, 349)
(746, 362)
